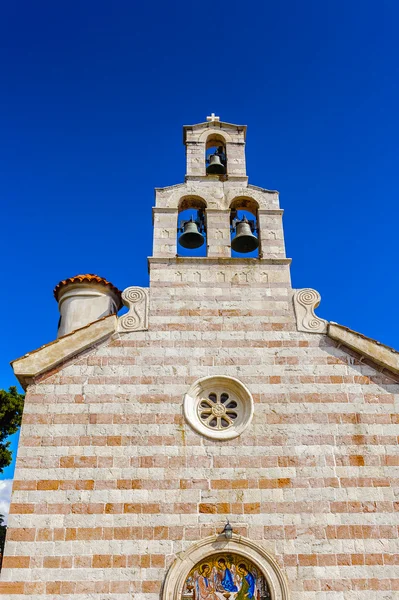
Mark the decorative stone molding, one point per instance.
(185, 561)
(305, 302)
(136, 299)
(218, 407)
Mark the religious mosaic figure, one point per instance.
(227, 581)
(247, 590)
(225, 576)
(205, 585)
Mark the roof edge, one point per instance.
(386, 357)
(37, 362)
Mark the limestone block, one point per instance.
(218, 233)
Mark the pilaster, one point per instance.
(236, 166)
(218, 233)
(195, 159)
(271, 233)
(165, 231)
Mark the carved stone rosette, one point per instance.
(136, 299)
(305, 302)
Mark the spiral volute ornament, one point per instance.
(136, 299)
(308, 297)
(133, 294)
(305, 302)
(130, 321)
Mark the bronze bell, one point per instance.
(245, 240)
(191, 238)
(215, 167)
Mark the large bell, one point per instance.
(215, 167)
(191, 238)
(245, 240)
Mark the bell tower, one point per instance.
(237, 225)
(215, 138)
(216, 187)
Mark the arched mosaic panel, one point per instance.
(225, 576)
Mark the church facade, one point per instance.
(217, 441)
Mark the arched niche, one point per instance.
(191, 207)
(216, 145)
(245, 207)
(247, 550)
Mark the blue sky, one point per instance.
(93, 97)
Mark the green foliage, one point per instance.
(11, 407)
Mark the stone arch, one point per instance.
(245, 203)
(215, 139)
(191, 201)
(215, 145)
(191, 207)
(246, 548)
(208, 133)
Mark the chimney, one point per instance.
(83, 299)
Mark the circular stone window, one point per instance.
(218, 407)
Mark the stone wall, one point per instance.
(111, 482)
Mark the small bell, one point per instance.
(215, 167)
(191, 238)
(245, 240)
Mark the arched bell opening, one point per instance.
(191, 227)
(244, 222)
(215, 155)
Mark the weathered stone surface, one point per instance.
(382, 355)
(31, 365)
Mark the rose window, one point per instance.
(218, 411)
(218, 407)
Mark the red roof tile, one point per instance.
(87, 278)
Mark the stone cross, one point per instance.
(213, 117)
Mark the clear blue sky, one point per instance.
(93, 97)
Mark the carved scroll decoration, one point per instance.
(305, 302)
(136, 299)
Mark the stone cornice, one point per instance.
(366, 347)
(261, 189)
(178, 260)
(169, 187)
(270, 211)
(307, 300)
(164, 210)
(51, 355)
